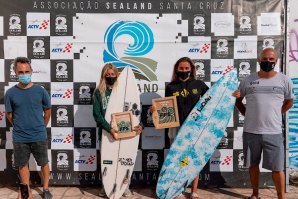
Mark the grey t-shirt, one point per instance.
(264, 99)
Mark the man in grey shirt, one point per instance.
(268, 94)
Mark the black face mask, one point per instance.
(111, 80)
(183, 74)
(267, 66)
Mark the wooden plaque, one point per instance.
(166, 113)
(123, 123)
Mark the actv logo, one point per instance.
(134, 55)
(41, 25)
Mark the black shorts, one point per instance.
(22, 153)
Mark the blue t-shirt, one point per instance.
(27, 106)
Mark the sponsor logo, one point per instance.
(63, 48)
(38, 48)
(241, 165)
(199, 24)
(61, 70)
(62, 117)
(245, 25)
(107, 162)
(62, 161)
(204, 103)
(217, 72)
(15, 26)
(60, 24)
(67, 94)
(85, 94)
(244, 48)
(82, 159)
(12, 74)
(126, 161)
(254, 83)
(244, 69)
(152, 161)
(134, 56)
(41, 25)
(268, 43)
(65, 138)
(85, 138)
(222, 47)
(200, 71)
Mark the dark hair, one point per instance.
(192, 68)
(22, 60)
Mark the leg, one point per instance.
(279, 181)
(194, 188)
(45, 171)
(254, 173)
(25, 178)
(21, 155)
(194, 185)
(274, 161)
(252, 149)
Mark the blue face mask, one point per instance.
(25, 79)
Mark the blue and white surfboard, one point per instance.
(198, 137)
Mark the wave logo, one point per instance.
(143, 41)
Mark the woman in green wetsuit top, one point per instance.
(108, 80)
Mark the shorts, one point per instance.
(272, 147)
(173, 132)
(22, 153)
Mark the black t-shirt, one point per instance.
(187, 93)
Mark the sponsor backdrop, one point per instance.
(68, 42)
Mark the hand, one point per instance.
(113, 133)
(138, 129)
(153, 108)
(236, 93)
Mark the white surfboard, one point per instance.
(118, 156)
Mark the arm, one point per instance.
(288, 103)
(9, 116)
(98, 113)
(47, 115)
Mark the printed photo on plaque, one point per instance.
(166, 113)
(123, 123)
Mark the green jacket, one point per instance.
(99, 110)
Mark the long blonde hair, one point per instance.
(102, 87)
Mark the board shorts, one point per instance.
(272, 146)
(22, 153)
(173, 132)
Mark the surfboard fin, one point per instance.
(127, 174)
(114, 188)
(104, 173)
(185, 186)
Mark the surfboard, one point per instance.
(198, 137)
(118, 156)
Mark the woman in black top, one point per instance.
(188, 91)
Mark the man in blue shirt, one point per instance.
(28, 109)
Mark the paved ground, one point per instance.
(143, 193)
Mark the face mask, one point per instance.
(25, 79)
(183, 74)
(111, 80)
(267, 66)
